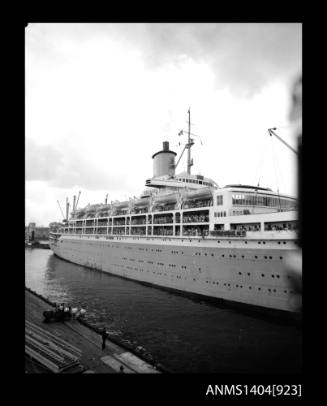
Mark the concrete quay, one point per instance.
(72, 346)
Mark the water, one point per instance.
(183, 334)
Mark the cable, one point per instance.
(257, 173)
(276, 173)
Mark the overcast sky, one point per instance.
(101, 99)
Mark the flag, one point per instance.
(181, 132)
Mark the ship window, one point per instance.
(219, 200)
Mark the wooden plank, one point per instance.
(44, 349)
(54, 345)
(50, 350)
(54, 353)
(44, 359)
(37, 329)
(41, 359)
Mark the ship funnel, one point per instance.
(164, 161)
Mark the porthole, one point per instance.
(262, 274)
(265, 257)
(249, 273)
(270, 257)
(240, 273)
(272, 276)
(280, 257)
(255, 256)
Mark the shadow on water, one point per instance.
(186, 334)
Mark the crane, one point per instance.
(60, 209)
(271, 132)
(79, 193)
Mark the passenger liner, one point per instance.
(186, 233)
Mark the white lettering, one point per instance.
(219, 389)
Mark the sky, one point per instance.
(100, 99)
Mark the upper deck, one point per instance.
(186, 205)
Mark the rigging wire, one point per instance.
(276, 172)
(258, 171)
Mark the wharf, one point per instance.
(76, 342)
(37, 244)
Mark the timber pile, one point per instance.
(52, 352)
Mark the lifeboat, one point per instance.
(168, 198)
(142, 202)
(204, 193)
(79, 213)
(121, 205)
(104, 210)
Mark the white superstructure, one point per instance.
(186, 233)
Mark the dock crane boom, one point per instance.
(79, 193)
(272, 132)
(60, 209)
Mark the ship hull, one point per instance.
(249, 272)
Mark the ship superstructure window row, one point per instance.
(196, 181)
(220, 214)
(259, 200)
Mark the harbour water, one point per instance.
(184, 334)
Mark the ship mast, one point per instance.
(189, 144)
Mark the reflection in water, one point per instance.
(184, 334)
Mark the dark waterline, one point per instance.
(183, 334)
